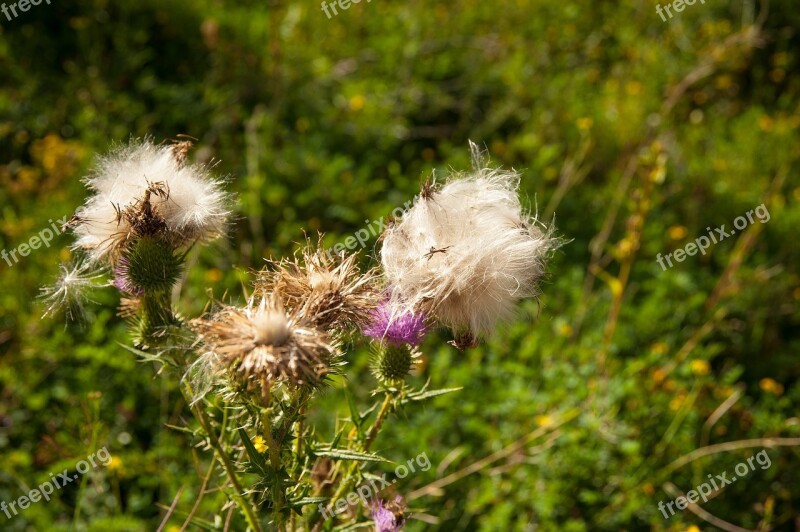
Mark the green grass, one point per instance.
(634, 133)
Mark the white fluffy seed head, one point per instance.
(467, 252)
(190, 201)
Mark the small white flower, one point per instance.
(191, 204)
(467, 252)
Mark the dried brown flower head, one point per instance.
(181, 148)
(265, 344)
(331, 291)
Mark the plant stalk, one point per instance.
(237, 497)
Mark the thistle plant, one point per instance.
(461, 258)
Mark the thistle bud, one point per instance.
(148, 265)
(148, 268)
(392, 363)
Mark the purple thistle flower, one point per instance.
(123, 281)
(395, 326)
(389, 518)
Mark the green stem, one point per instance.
(349, 477)
(274, 449)
(298, 445)
(376, 427)
(237, 497)
(156, 315)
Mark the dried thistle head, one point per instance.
(140, 216)
(331, 291)
(146, 190)
(181, 148)
(266, 344)
(467, 252)
(428, 188)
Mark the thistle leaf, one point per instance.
(427, 394)
(346, 454)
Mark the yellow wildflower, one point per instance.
(700, 367)
(771, 386)
(260, 444)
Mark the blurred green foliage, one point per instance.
(638, 134)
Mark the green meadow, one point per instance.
(624, 385)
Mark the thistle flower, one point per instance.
(389, 517)
(265, 343)
(331, 292)
(142, 190)
(396, 326)
(465, 253)
(71, 291)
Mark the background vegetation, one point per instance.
(637, 134)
